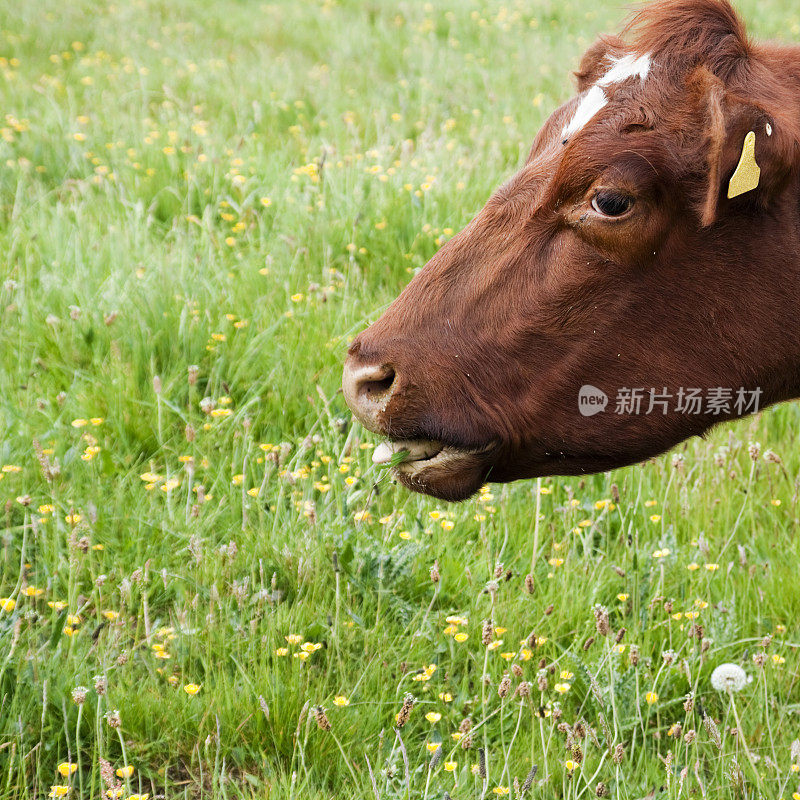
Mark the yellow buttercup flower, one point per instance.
(8, 604)
(341, 700)
(65, 769)
(58, 791)
(125, 772)
(191, 688)
(433, 717)
(651, 698)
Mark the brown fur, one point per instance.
(488, 346)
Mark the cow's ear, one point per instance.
(597, 61)
(751, 151)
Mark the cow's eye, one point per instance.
(612, 203)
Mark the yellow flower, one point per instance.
(218, 413)
(111, 615)
(450, 766)
(266, 202)
(58, 791)
(293, 638)
(56, 605)
(79, 423)
(712, 567)
(341, 700)
(150, 477)
(693, 567)
(566, 675)
(191, 688)
(622, 597)
(432, 746)
(125, 772)
(65, 769)
(508, 656)
(495, 645)
(500, 631)
(459, 637)
(651, 698)
(144, 796)
(570, 765)
(555, 562)
(655, 518)
(310, 647)
(778, 660)
(446, 697)
(501, 790)
(282, 651)
(433, 717)
(172, 680)
(662, 553)
(73, 519)
(562, 688)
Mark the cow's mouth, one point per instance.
(432, 467)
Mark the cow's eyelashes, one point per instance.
(612, 203)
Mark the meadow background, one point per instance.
(200, 203)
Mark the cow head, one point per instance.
(638, 248)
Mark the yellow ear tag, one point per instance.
(748, 173)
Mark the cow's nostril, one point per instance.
(367, 390)
(376, 388)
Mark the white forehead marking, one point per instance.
(595, 99)
(626, 67)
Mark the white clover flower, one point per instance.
(728, 678)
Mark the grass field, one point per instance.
(201, 203)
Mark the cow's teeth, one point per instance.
(415, 450)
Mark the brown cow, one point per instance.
(636, 282)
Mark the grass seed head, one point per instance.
(504, 687)
(405, 710)
(713, 731)
(487, 632)
(601, 620)
(321, 718)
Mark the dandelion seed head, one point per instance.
(729, 678)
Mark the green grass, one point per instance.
(139, 141)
